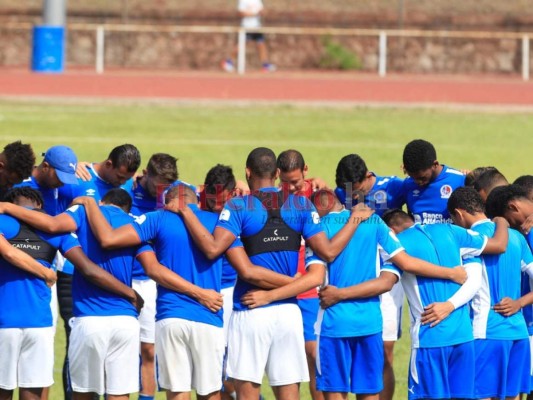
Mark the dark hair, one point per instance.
(163, 166)
(350, 169)
(395, 216)
(220, 177)
(290, 160)
(20, 159)
(323, 199)
(472, 176)
(500, 197)
(126, 155)
(466, 198)
(489, 179)
(118, 197)
(262, 163)
(418, 155)
(24, 191)
(525, 182)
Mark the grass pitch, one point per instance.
(201, 136)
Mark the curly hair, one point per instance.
(350, 169)
(500, 197)
(20, 159)
(24, 191)
(466, 198)
(418, 155)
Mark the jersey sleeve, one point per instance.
(312, 258)
(389, 244)
(147, 225)
(396, 191)
(470, 242)
(68, 242)
(389, 267)
(236, 243)
(311, 219)
(231, 216)
(77, 213)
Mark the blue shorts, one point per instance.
(309, 309)
(502, 367)
(442, 372)
(352, 365)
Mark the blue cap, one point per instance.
(63, 159)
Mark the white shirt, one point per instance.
(251, 7)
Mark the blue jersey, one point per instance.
(445, 245)
(357, 263)
(176, 250)
(527, 286)
(246, 216)
(143, 202)
(501, 278)
(387, 193)
(25, 298)
(50, 196)
(88, 299)
(428, 204)
(96, 187)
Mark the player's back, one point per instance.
(501, 278)
(175, 249)
(436, 244)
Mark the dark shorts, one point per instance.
(255, 37)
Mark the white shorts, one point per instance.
(267, 339)
(189, 356)
(26, 357)
(391, 309)
(148, 291)
(104, 355)
(227, 308)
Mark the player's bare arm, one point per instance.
(498, 243)
(101, 278)
(314, 277)
(255, 274)
(420, 267)
(58, 224)
(25, 262)
(108, 237)
(331, 295)
(211, 299)
(328, 250)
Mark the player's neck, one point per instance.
(261, 183)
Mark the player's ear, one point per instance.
(513, 206)
(276, 176)
(304, 171)
(247, 173)
(108, 164)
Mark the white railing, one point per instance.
(381, 35)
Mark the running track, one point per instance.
(285, 87)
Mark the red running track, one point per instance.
(277, 87)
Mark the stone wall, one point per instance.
(182, 51)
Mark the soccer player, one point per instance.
(430, 183)
(16, 164)
(526, 182)
(487, 181)
(354, 181)
(292, 176)
(57, 169)
(442, 355)
(189, 337)
(471, 177)
(350, 323)
(26, 318)
(502, 343)
(267, 225)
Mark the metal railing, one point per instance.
(381, 34)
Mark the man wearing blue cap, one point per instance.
(57, 169)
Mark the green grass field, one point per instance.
(201, 136)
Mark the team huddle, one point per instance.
(213, 287)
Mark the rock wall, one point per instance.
(290, 52)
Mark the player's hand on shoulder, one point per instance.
(211, 299)
(329, 296)
(82, 170)
(318, 184)
(256, 298)
(459, 275)
(507, 307)
(436, 312)
(83, 200)
(3, 207)
(241, 188)
(500, 221)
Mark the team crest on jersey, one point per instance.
(316, 217)
(380, 197)
(445, 191)
(224, 215)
